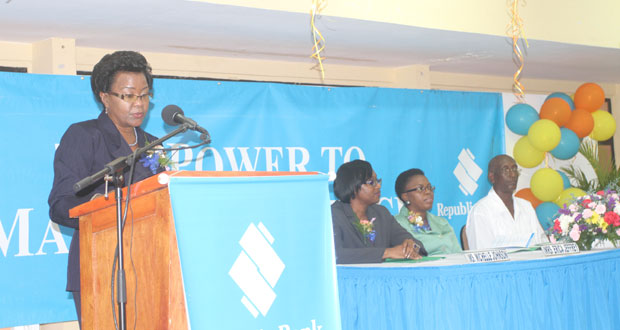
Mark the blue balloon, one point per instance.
(565, 179)
(564, 97)
(568, 146)
(520, 117)
(546, 213)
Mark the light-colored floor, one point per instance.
(50, 326)
(60, 326)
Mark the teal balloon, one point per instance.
(565, 179)
(546, 213)
(520, 117)
(564, 97)
(568, 146)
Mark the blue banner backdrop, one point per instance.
(255, 126)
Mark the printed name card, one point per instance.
(559, 249)
(487, 256)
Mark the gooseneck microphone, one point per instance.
(173, 115)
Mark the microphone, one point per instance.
(173, 115)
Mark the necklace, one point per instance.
(136, 135)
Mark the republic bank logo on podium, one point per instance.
(257, 269)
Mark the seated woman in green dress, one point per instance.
(417, 194)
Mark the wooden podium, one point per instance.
(155, 296)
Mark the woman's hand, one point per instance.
(411, 249)
(407, 250)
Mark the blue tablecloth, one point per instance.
(572, 292)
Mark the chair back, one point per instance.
(464, 244)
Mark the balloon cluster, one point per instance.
(557, 129)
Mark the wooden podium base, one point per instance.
(155, 298)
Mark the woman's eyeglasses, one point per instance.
(422, 189)
(373, 182)
(131, 98)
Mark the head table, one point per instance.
(531, 291)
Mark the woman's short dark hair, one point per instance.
(349, 179)
(403, 178)
(120, 61)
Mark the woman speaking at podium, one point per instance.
(364, 231)
(123, 84)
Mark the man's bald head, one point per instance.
(495, 163)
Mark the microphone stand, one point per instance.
(121, 288)
(116, 167)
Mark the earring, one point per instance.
(106, 110)
(407, 202)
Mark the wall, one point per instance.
(60, 56)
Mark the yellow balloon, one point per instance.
(568, 195)
(604, 125)
(544, 135)
(526, 155)
(546, 184)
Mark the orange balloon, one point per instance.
(580, 122)
(557, 110)
(589, 96)
(527, 194)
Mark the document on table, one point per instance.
(414, 261)
(514, 241)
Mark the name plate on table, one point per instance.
(559, 249)
(487, 256)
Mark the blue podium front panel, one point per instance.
(256, 252)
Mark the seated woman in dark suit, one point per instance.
(365, 232)
(417, 194)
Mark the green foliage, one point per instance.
(607, 175)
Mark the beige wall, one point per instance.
(61, 56)
(75, 59)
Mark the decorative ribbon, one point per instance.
(515, 30)
(317, 37)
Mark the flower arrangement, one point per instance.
(417, 223)
(589, 218)
(156, 158)
(367, 228)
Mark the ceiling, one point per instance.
(198, 28)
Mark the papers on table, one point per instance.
(514, 241)
(414, 261)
